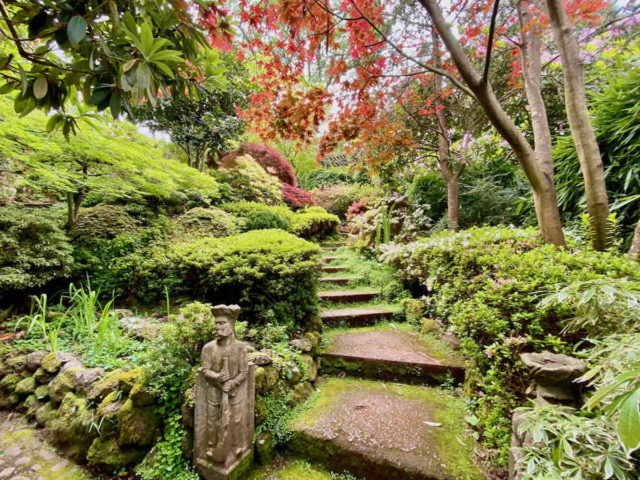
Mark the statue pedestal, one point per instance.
(235, 471)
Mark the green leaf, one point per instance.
(53, 122)
(629, 422)
(76, 29)
(127, 66)
(40, 88)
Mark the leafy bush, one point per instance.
(101, 222)
(34, 249)
(323, 177)
(263, 220)
(244, 209)
(337, 199)
(295, 197)
(251, 182)
(314, 224)
(210, 222)
(267, 157)
(270, 273)
(486, 283)
(109, 163)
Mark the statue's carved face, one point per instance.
(224, 328)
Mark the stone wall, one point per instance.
(109, 420)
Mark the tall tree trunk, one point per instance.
(451, 178)
(544, 192)
(580, 123)
(74, 201)
(634, 251)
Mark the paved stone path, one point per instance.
(25, 455)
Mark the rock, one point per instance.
(140, 395)
(26, 386)
(128, 379)
(299, 393)
(451, 340)
(45, 413)
(17, 363)
(110, 406)
(106, 385)
(187, 409)
(265, 447)
(53, 362)
(313, 324)
(314, 338)
(60, 386)
(71, 427)
(9, 401)
(123, 312)
(553, 368)
(109, 457)
(140, 328)
(34, 360)
(41, 392)
(42, 377)
(85, 377)
(72, 364)
(31, 405)
(8, 384)
(302, 344)
(309, 368)
(138, 426)
(266, 378)
(260, 359)
(430, 325)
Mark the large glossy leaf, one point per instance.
(40, 88)
(629, 422)
(76, 29)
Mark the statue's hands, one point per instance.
(224, 376)
(226, 386)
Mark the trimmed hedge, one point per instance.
(270, 273)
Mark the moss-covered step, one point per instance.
(333, 269)
(337, 243)
(329, 259)
(386, 432)
(338, 280)
(389, 354)
(294, 469)
(347, 296)
(355, 316)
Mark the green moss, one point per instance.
(41, 392)
(107, 455)
(71, 427)
(109, 407)
(9, 383)
(138, 426)
(26, 386)
(7, 401)
(140, 395)
(308, 367)
(299, 393)
(16, 363)
(51, 363)
(456, 459)
(42, 376)
(105, 385)
(128, 379)
(45, 414)
(266, 378)
(296, 469)
(61, 385)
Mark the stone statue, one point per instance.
(224, 410)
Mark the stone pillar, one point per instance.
(553, 375)
(224, 403)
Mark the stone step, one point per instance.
(388, 355)
(333, 269)
(346, 296)
(334, 243)
(329, 259)
(329, 249)
(355, 316)
(338, 280)
(383, 431)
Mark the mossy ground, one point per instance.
(454, 446)
(295, 469)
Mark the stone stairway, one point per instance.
(374, 415)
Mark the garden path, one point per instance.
(380, 413)
(25, 455)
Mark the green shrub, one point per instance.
(34, 249)
(263, 220)
(101, 222)
(487, 283)
(314, 223)
(244, 209)
(251, 182)
(337, 199)
(270, 273)
(210, 222)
